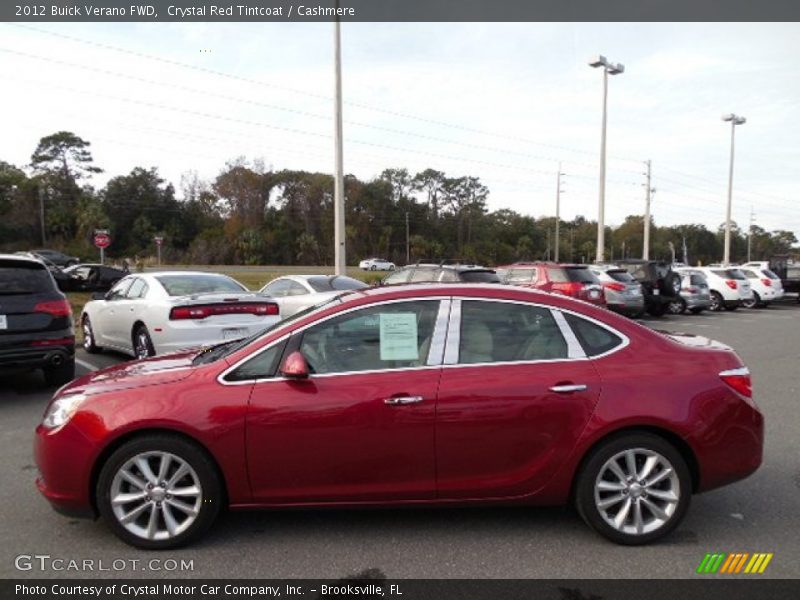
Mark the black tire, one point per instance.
(696, 311)
(752, 303)
(142, 344)
(592, 468)
(211, 499)
(372, 268)
(717, 302)
(731, 307)
(677, 306)
(657, 309)
(58, 376)
(89, 341)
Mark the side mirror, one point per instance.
(295, 366)
(98, 296)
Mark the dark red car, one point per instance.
(576, 281)
(430, 394)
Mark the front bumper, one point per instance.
(64, 458)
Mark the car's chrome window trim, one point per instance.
(451, 355)
(440, 299)
(439, 338)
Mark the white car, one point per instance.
(728, 286)
(294, 293)
(376, 264)
(151, 314)
(766, 285)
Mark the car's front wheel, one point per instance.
(633, 489)
(677, 306)
(159, 491)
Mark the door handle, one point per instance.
(569, 388)
(401, 400)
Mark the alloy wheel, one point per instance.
(637, 491)
(156, 495)
(88, 335)
(142, 344)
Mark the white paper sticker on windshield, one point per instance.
(399, 336)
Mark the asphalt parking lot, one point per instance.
(759, 514)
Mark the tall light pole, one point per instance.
(750, 233)
(734, 121)
(648, 200)
(340, 263)
(608, 69)
(558, 210)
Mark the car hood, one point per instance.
(137, 373)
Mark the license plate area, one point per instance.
(3, 322)
(234, 333)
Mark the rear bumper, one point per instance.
(26, 356)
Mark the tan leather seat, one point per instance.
(477, 343)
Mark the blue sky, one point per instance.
(505, 102)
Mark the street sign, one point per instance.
(159, 240)
(102, 239)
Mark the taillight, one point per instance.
(731, 283)
(739, 380)
(55, 308)
(767, 282)
(617, 287)
(572, 288)
(202, 311)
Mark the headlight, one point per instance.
(61, 410)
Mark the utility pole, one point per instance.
(340, 262)
(750, 233)
(734, 121)
(648, 198)
(558, 212)
(547, 256)
(408, 242)
(41, 210)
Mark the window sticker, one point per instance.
(398, 334)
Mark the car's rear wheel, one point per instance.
(731, 307)
(89, 341)
(159, 491)
(716, 302)
(696, 311)
(633, 489)
(677, 306)
(657, 309)
(372, 267)
(63, 373)
(142, 344)
(753, 302)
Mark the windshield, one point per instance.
(620, 275)
(480, 277)
(213, 353)
(199, 283)
(580, 274)
(324, 283)
(517, 275)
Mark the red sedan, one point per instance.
(435, 394)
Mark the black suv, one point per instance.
(35, 321)
(660, 284)
(442, 272)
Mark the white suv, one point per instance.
(766, 285)
(376, 264)
(729, 287)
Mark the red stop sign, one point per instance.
(102, 240)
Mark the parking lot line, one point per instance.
(86, 365)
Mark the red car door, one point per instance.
(514, 397)
(361, 427)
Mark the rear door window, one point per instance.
(520, 275)
(595, 339)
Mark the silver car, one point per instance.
(622, 292)
(695, 295)
(293, 293)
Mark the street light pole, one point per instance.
(646, 240)
(408, 242)
(340, 263)
(41, 210)
(608, 69)
(734, 121)
(558, 212)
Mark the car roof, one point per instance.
(543, 263)
(21, 257)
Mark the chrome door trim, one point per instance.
(436, 351)
(574, 348)
(453, 333)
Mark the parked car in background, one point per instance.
(695, 295)
(766, 286)
(660, 284)
(623, 293)
(728, 287)
(36, 329)
(57, 258)
(376, 264)
(442, 272)
(576, 281)
(149, 314)
(294, 293)
(791, 280)
(408, 395)
(86, 277)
